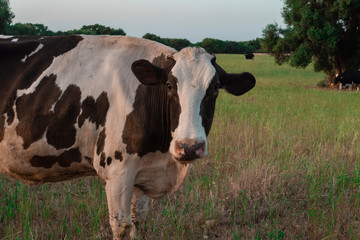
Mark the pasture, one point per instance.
(283, 163)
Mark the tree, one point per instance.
(176, 43)
(6, 15)
(155, 38)
(213, 45)
(322, 31)
(95, 29)
(28, 29)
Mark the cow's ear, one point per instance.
(147, 73)
(236, 84)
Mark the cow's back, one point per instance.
(352, 76)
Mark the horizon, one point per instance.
(165, 19)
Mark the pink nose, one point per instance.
(188, 149)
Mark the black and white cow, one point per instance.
(249, 56)
(132, 111)
(348, 78)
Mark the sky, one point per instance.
(233, 20)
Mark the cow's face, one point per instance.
(192, 80)
(338, 79)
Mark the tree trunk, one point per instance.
(339, 64)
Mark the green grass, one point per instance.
(284, 163)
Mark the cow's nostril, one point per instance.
(197, 146)
(190, 149)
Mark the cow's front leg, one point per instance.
(139, 207)
(119, 191)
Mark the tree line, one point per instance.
(42, 30)
(210, 44)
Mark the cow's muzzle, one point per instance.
(189, 150)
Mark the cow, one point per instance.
(249, 56)
(348, 78)
(134, 112)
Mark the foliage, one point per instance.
(28, 29)
(41, 30)
(95, 29)
(219, 46)
(210, 44)
(154, 37)
(327, 32)
(6, 15)
(176, 43)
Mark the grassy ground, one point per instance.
(284, 163)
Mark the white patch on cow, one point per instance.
(32, 53)
(15, 40)
(5, 37)
(87, 131)
(194, 72)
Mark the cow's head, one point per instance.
(338, 78)
(193, 80)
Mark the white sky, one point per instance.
(237, 20)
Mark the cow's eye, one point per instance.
(168, 85)
(216, 88)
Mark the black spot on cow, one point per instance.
(12, 59)
(102, 160)
(118, 156)
(89, 159)
(61, 131)
(33, 110)
(95, 111)
(156, 113)
(64, 160)
(108, 161)
(164, 62)
(207, 107)
(100, 142)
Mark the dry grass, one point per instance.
(283, 164)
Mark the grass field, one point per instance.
(284, 163)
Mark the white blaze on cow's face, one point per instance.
(194, 73)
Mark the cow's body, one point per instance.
(74, 106)
(348, 78)
(249, 56)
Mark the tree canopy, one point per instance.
(6, 15)
(27, 29)
(177, 43)
(95, 29)
(219, 46)
(322, 31)
(210, 44)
